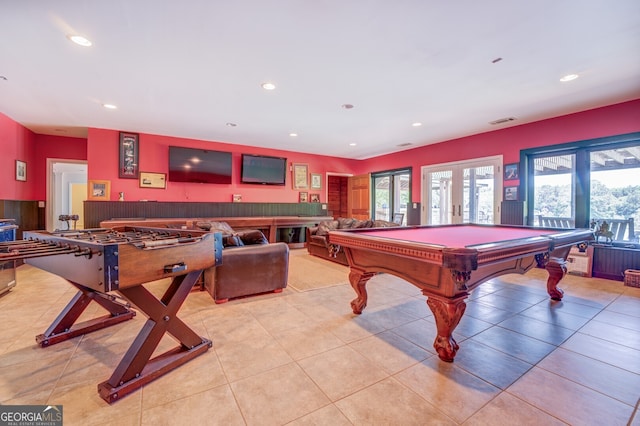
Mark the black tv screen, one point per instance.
(199, 165)
(264, 170)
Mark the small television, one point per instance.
(263, 170)
(199, 165)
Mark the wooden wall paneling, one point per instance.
(611, 262)
(98, 211)
(27, 215)
(512, 213)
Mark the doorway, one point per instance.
(462, 192)
(66, 193)
(391, 194)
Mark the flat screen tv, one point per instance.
(263, 170)
(199, 165)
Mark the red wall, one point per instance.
(607, 121)
(16, 143)
(58, 147)
(101, 151)
(103, 155)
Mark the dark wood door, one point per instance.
(338, 196)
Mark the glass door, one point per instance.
(462, 192)
(391, 194)
(440, 205)
(478, 194)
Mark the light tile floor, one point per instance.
(302, 358)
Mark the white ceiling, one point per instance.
(186, 68)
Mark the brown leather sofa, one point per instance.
(250, 264)
(318, 244)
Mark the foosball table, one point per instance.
(110, 267)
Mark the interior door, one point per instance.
(360, 197)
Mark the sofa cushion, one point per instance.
(230, 238)
(346, 222)
(362, 224)
(252, 237)
(233, 240)
(383, 224)
(222, 227)
(325, 226)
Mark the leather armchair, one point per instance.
(250, 265)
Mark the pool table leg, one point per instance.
(447, 313)
(557, 269)
(358, 280)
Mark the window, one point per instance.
(553, 188)
(615, 186)
(583, 184)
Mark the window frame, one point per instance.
(392, 174)
(582, 178)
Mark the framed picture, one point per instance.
(315, 198)
(511, 193)
(511, 171)
(21, 170)
(300, 176)
(129, 155)
(304, 197)
(153, 180)
(398, 218)
(316, 181)
(99, 190)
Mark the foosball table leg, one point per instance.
(64, 327)
(136, 367)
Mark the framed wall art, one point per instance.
(99, 190)
(511, 193)
(304, 197)
(300, 176)
(511, 171)
(129, 156)
(153, 180)
(316, 181)
(21, 170)
(315, 198)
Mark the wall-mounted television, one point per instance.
(263, 170)
(199, 165)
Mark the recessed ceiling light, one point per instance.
(268, 86)
(569, 77)
(417, 124)
(109, 106)
(231, 124)
(293, 135)
(2, 77)
(353, 144)
(347, 106)
(80, 40)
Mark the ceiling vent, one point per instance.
(502, 120)
(405, 144)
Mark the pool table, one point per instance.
(447, 262)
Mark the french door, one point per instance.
(462, 192)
